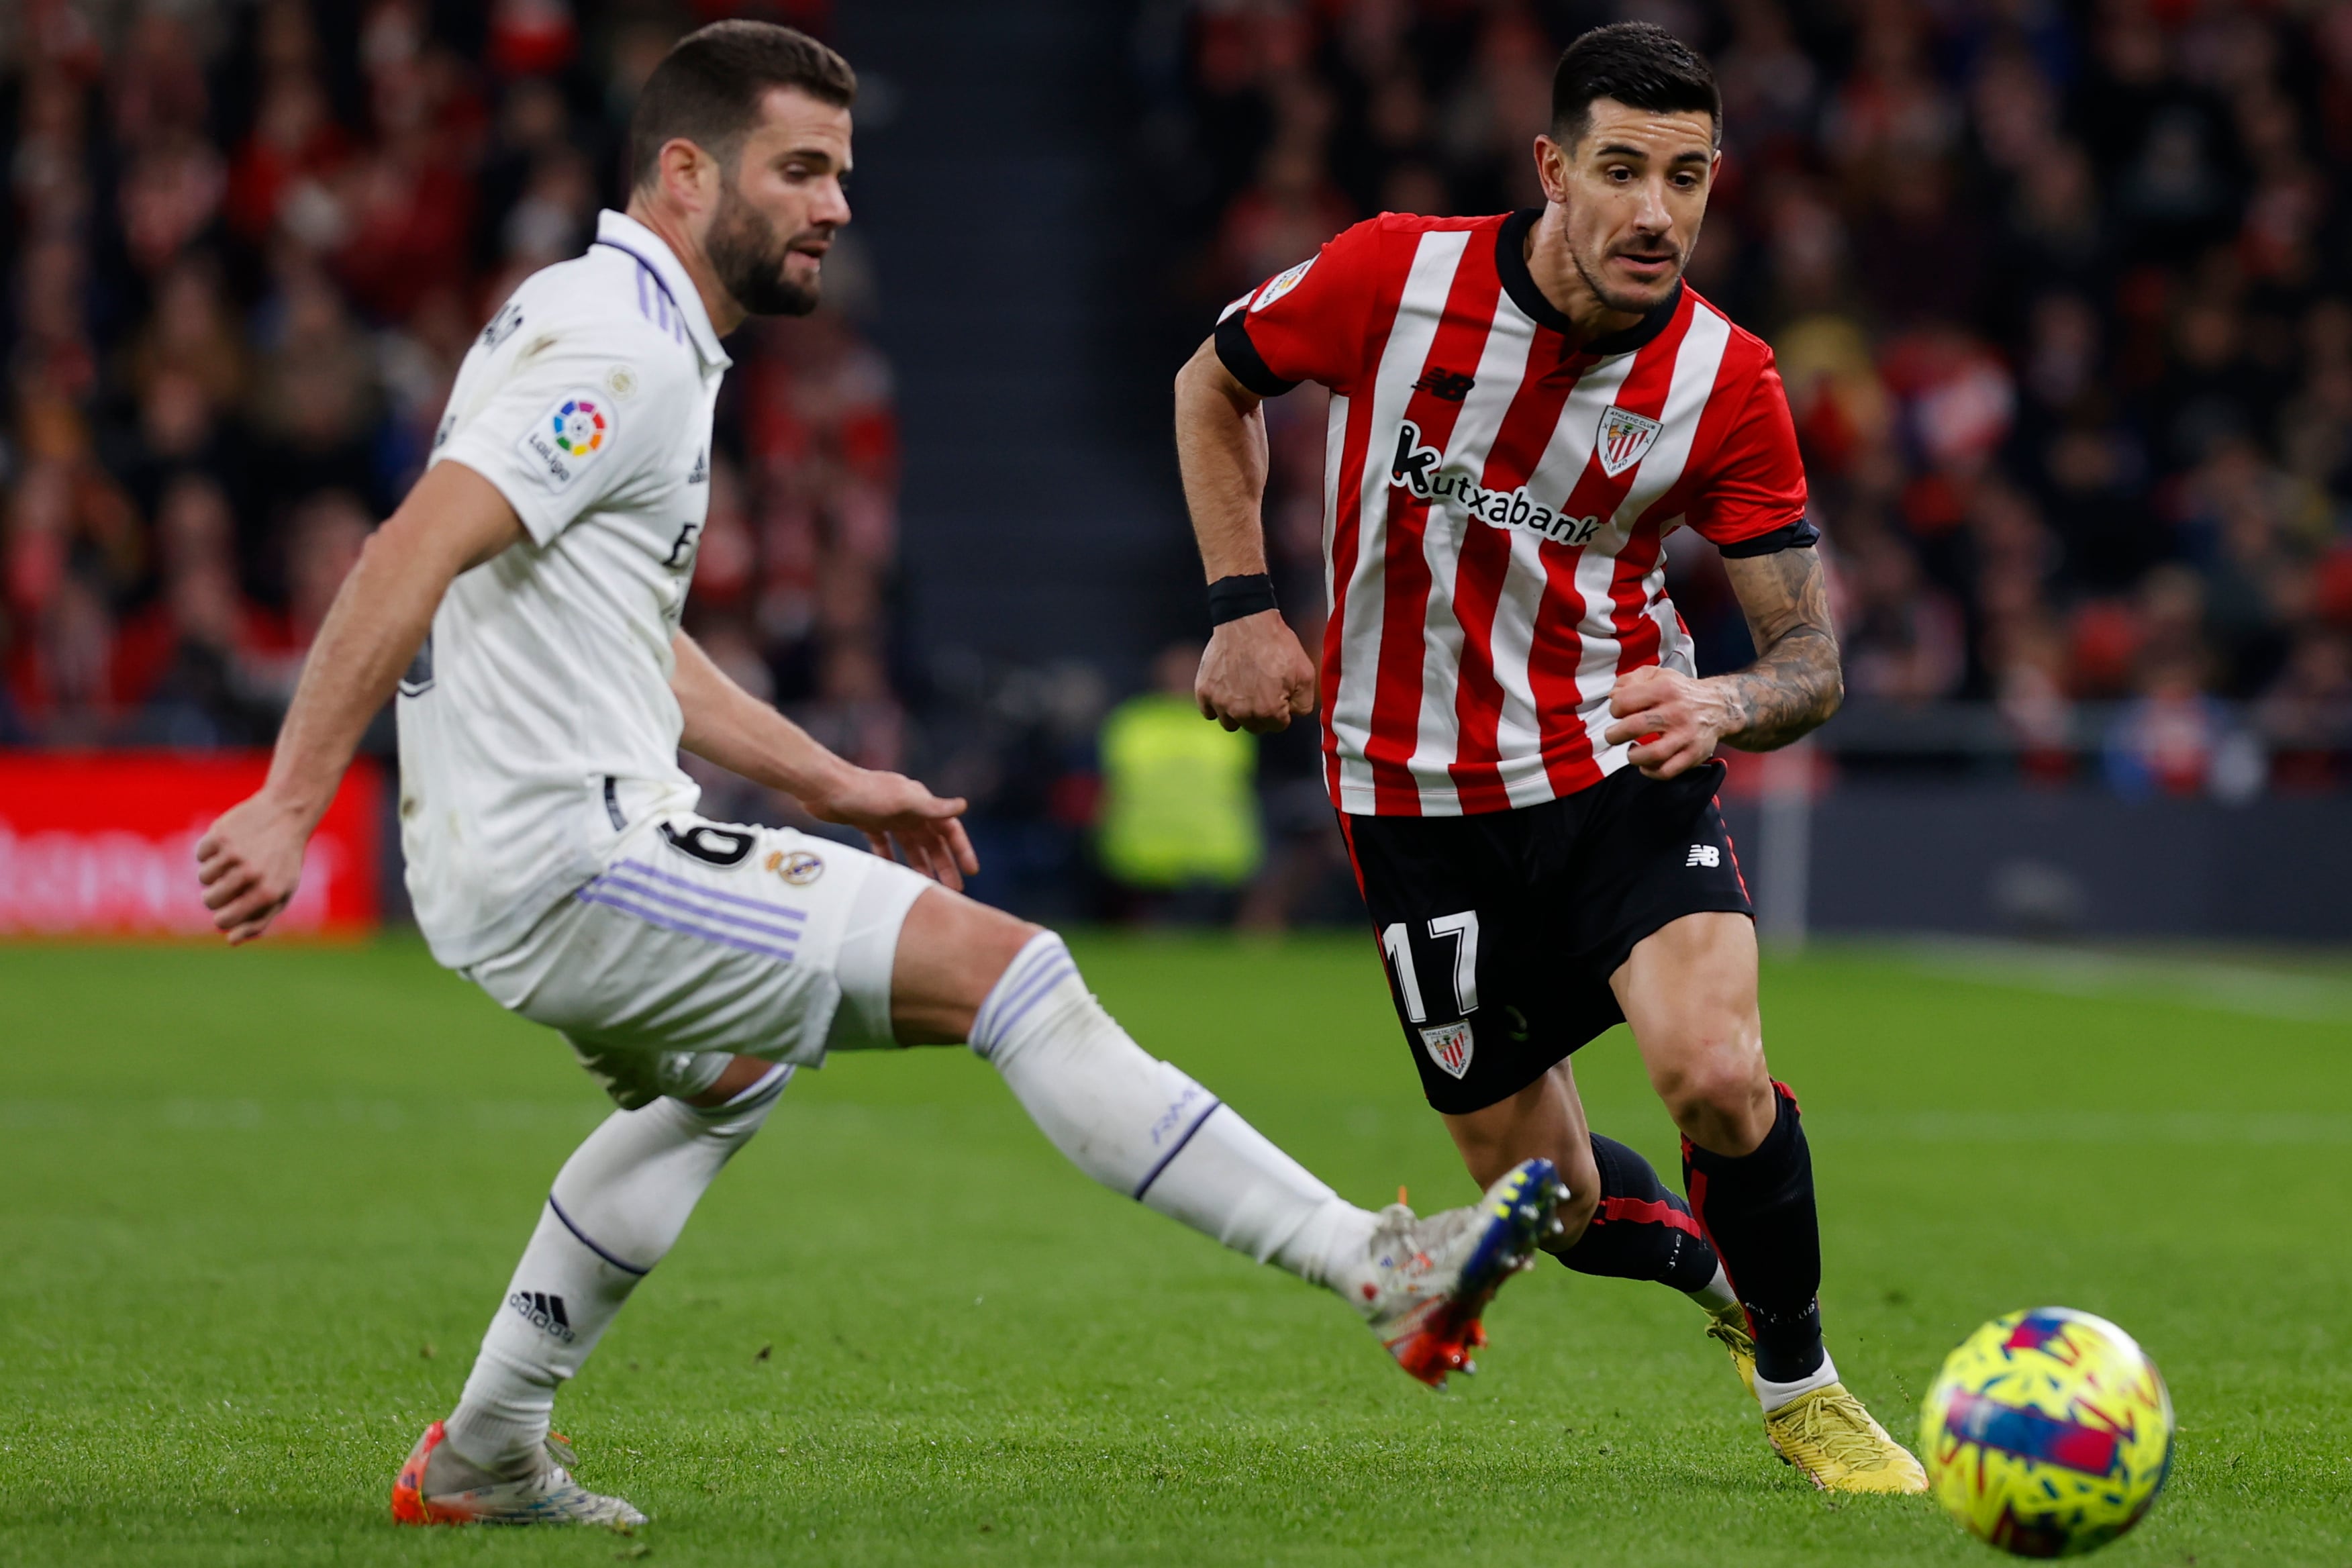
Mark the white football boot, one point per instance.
(437, 1485)
(1424, 1284)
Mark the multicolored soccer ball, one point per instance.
(2048, 1433)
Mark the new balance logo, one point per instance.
(543, 1312)
(702, 474)
(1446, 385)
(1704, 855)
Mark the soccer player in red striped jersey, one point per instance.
(1522, 408)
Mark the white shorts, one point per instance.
(702, 940)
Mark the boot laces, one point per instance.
(1841, 1430)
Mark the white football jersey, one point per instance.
(536, 724)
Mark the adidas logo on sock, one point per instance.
(543, 1312)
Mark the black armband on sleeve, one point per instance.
(1244, 594)
(1240, 357)
(1799, 535)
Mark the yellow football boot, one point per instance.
(1832, 1438)
(1729, 1327)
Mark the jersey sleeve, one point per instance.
(566, 427)
(1309, 324)
(1752, 502)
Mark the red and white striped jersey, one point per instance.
(1496, 501)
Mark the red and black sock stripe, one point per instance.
(1640, 1230)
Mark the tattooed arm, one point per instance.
(1794, 685)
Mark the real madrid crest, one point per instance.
(1626, 439)
(797, 867)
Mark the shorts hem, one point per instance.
(867, 955)
(1638, 931)
(1528, 1074)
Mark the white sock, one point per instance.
(1772, 1395)
(1142, 1127)
(618, 1204)
(1715, 1296)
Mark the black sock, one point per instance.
(1641, 1230)
(1757, 1210)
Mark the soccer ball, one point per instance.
(2048, 1433)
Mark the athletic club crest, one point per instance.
(1626, 439)
(1449, 1045)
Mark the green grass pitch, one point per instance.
(259, 1205)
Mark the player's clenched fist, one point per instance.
(1255, 676)
(1677, 719)
(250, 863)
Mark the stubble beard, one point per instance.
(748, 256)
(1631, 305)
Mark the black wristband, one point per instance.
(1231, 598)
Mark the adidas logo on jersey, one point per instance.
(1416, 469)
(702, 474)
(1704, 855)
(543, 1312)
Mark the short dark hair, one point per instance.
(1639, 63)
(708, 88)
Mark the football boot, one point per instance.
(1424, 1284)
(1834, 1441)
(437, 1485)
(1727, 1326)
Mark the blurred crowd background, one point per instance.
(2061, 293)
(249, 245)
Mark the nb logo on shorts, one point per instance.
(1704, 855)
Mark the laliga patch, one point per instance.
(576, 429)
(1624, 440)
(799, 867)
(1281, 283)
(1449, 1045)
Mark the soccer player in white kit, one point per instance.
(532, 585)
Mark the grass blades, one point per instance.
(259, 1204)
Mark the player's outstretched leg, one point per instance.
(1619, 1220)
(617, 1206)
(1689, 991)
(1641, 1229)
(1142, 1127)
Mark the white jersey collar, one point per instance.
(625, 233)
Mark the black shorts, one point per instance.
(1500, 931)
